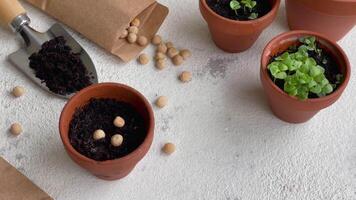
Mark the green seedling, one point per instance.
(250, 4)
(253, 16)
(301, 73)
(235, 5)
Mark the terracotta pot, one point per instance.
(333, 18)
(236, 36)
(111, 169)
(291, 109)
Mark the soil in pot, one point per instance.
(59, 68)
(99, 114)
(314, 85)
(241, 10)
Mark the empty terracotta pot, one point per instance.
(333, 18)
(236, 36)
(291, 109)
(110, 169)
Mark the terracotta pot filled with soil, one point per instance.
(302, 73)
(333, 18)
(107, 129)
(235, 25)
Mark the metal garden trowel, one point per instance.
(14, 15)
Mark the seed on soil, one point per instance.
(185, 53)
(177, 60)
(18, 91)
(124, 34)
(169, 148)
(116, 140)
(143, 59)
(156, 40)
(160, 56)
(185, 76)
(136, 22)
(133, 29)
(16, 129)
(172, 52)
(160, 64)
(162, 48)
(142, 41)
(98, 134)
(162, 101)
(119, 122)
(169, 45)
(132, 38)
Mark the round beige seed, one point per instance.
(185, 76)
(143, 59)
(136, 22)
(162, 101)
(133, 29)
(160, 64)
(185, 53)
(117, 140)
(119, 122)
(142, 41)
(132, 38)
(177, 60)
(156, 40)
(172, 52)
(160, 56)
(169, 148)
(162, 48)
(18, 91)
(124, 34)
(169, 45)
(98, 134)
(16, 129)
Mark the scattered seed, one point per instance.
(16, 129)
(169, 45)
(133, 29)
(172, 52)
(143, 59)
(18, 91)
(156, 40)
(160, 64)
(132, 38)
(116, 140)
(185, 76)
(162, 48)
(177, 60)
(162, 101)
(185, 53)
(124, 34)
(98, 134)
(169, 148)
(142, 41)
(160, 56)
(136, 22)
(119, 122)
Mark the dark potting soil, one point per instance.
(222, 8)
(59, 68)
(100, 114)
(331, 67)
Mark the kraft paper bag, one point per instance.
(102, 21)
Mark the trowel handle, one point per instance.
(9, 10)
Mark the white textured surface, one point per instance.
(229, 144)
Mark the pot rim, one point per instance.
(319, 36)
(274, 9)
(71, 149)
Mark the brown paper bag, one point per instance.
(102, 21)
(15, 186)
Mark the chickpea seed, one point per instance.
(132, 38)
(185, 76)
(143, 59)
(162, 101)
(98, 134)
(185, 53)
(124, 34)
(18, 91)
(117, 140)
(16, 129)
(142, 41)
(160, 64)
(172, 52)
(119, 122)
(160, 56)
(133, 29)
(169, 148)
(178, 60)
(169, 45)
(162, 48)
(136, 22)
(156, 40)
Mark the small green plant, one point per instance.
(246, 5)
(301, 73)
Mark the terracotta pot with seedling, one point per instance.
(333, 18)
(107, 129)
(235, 25)
(303, 72)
